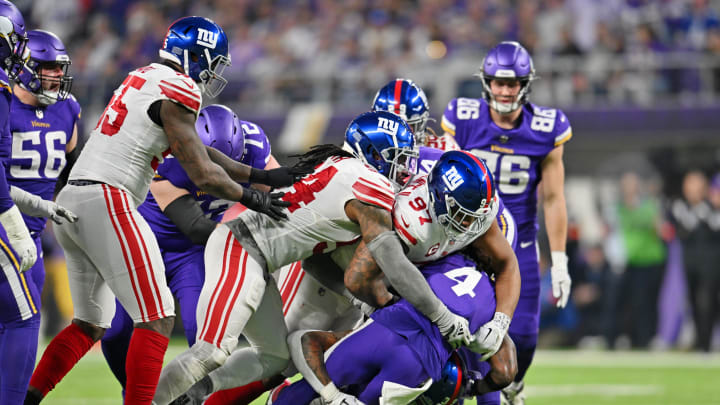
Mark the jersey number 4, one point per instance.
(116, 111)
(466, 278)
(306, 188)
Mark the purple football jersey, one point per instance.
(427, 157)
(170, 238)
(39, 136)
(513, 155)
(466, 292)
(5, 140)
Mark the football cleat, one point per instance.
(273, 396)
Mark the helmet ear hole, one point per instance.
(194, 57)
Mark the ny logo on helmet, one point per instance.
(452, 179)
(207, 38)
(387, 126)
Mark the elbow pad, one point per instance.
(187, 215)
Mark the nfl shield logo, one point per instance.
(39, 113)
(504, 138)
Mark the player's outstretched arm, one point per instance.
(387, 250)
(183, 210)
(179, 125)
(277, 177)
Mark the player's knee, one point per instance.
(162, 326)
(93, 331)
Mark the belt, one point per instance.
(84, 182)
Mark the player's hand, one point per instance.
(561, 281)
(489, 337)
(345, 399)
(279, 177)
(269, 204)
(454, 328)
(19, 237)
(52, 210)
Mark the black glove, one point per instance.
(280, 177)
(268, 204)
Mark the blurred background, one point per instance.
(638, 79)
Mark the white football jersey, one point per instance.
(126, 146)
(416, 224)
(316, 221)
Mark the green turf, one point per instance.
(557, 377)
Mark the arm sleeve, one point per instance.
(187, 215)
(407, 280)
(5, 201)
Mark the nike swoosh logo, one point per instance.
(523, 245)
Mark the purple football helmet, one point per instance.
(45, 74)
(13, 53)
(507, 60)
(220, 128)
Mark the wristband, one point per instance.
(559, 259)
(258, 176)
(329, 392)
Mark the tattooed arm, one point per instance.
(307, 349)
(179, 125)
(389, 254)
(364, 279)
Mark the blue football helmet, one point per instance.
(408, 100)
(384, 141)
(200, 47)
(463, 194)
(48, 56)
(449, 388)
(220, 128)
(13, 53)
(507, 60)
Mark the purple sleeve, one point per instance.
(449, 118)
(257, 146)
(563, 131)
(5, 143)
(172, 171)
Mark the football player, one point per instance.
(313, 298)
(522, 144)
(462, 197)
(182, 217)
(43, 124)
(406, 99)
(342, 201)
(113, 252)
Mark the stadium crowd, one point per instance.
(617, 51)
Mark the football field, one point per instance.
(557, 377)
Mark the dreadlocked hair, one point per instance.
(318, 154)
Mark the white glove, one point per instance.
(331, 395)
(489, 337)
(35, 206)
(19, 237)
(560, 278)
(453, 327)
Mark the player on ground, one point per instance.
(113, 253)
(462, 201)
(522, 144)
(314, 297)
(43, 124)
(391, 354)
(182, 217)
(406, 99)
(342, 201)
